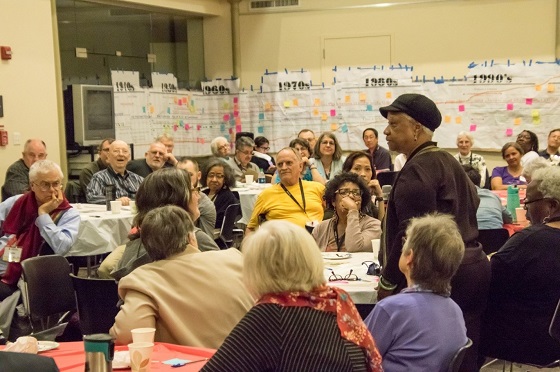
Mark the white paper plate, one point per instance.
(121, 360)
(336, 255)
(46, 345)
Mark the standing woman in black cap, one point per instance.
(432, 181)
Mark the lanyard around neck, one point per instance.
(338, 242)
(294, 199)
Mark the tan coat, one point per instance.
(192, 299)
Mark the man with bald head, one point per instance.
(126, 183)
(155, 158)
(291, 199)
(17, 175)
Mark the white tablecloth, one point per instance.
(100, 230)
(361, 291)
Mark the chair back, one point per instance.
(97, 303)
(554, 329)
(492, 239)
(458, 357)
(49, 288)
(226, 231)
(386, 178)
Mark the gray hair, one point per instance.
(466, 134)
(214, 145)
(533, 165)
(164, 136)
(548, 182)
(426, 130)
(165, 231)
(243, 142)
(42, 167)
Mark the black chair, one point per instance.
(492, 239)
(387, 178)
(458, 357)
(74, 193)
(48, 293)
(97, 303)
(228, 230)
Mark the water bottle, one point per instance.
(513, 200)
(261, 177)
(100, 349)
(110, 192)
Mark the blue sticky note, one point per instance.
(369, 108)
(261, 115)
(169, 110)
(223, 128)
(260, 129)
(344, 128)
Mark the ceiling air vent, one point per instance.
(263, 5)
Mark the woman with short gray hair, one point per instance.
(465, 142)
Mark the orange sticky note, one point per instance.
(315, 112)
(295, 102)
(517, 121)
(267, 106)
(538, 88)
(550, 88)
(324, 116)
(362, 97)
(458, 120)
(347, 99)
(334, 126)
(447, 119)
(317, 101)
(388, 95)
(152, 109)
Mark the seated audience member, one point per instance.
(240, 163)
(308, 136)
(553, 144)
(525, 285)
(17, 175)
(529, 142)
(126, 183)
(292, 199)
(190, 298)
(379, 157)
(299, 323)
(358, 162)
(218, 178)
(400, 160)
(511, 174)
(261, 157)
(17, 362)
(220, 148)
(168, 186)
(169, 143)
(421, 328)
(328, 157)
(207, 220)
(39, 218)
(491, 214)
(154, 160)
(302, 146)
(465, 142)
(100, 164)
(350, 229)
(533, 166)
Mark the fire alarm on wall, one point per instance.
(5, 52)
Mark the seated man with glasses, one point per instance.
(154, 159)
(17, 175)
(31, 220)
(241, 162)
(293, 200)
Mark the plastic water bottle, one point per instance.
(261, 177)
(513, 200)
(110, 192)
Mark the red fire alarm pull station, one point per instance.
(3, 136)
(5, 52)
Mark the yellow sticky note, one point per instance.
(538, 88)
(536, 116)
(267, 106)
(287, 104)
(317, 102)
(362, 97)
(388, 95)
(517, 121)
(447, 119)
(347, 99)
(192, 109)
(315, 112)
(295, 102)
(458, 120)
(334, 126)
(324, 116)
(550, 88)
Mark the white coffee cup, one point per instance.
(249, 179)
(116, 206)
(143, 334)
(520, 214)
(140, 355)
(132, 205)
(375, 246)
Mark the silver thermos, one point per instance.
(100, 349)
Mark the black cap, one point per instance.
(419, 107)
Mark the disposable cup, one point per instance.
(375, 246)
(132, 205)
(520, 215)
(140, 356)
(143, 334)
(249, 179)
(116, 206)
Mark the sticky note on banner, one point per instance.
(517, 121)
(317, 102)
(287, 104)
(509, 132)
(536, 116)
(235, 114)
(550, 88)
(347, 99)
(238, 120)
(152, 109)
(180, 102)
(222, 128)
(238, 128)
(187, 127)
(344, 128)
(472, 128)
(324, 116)
(528, 101)
(447, 119)
(388, 95)
(363, 97)
(260, 130)
(461, 108)
(169, 110)
(538, 87)
(458, 120)
(315, 112)
(226, 117)
(235, 99)
(261, 115)
(295, 102)
(175, 127)
(198, 127)
(144, 109)
(334, 126)
(333, 112)
(509, 106)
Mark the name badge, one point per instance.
(12, 254)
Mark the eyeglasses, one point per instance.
(248, 152)
(265, 148)
(214, 175)
(527, 202)
(225, 146)
(349, 277)
(348, 192)
(328, 143)
(46, 186)
(195, 190)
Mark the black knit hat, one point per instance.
(419, 107)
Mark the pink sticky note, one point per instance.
(235, 114)
(528, 101)
(202, 141)
(175, 127)
(509, 132)
(333, 112)
(198, 127)
(510, 106)
(238, 128)
(472, 128)
(180, 102)
(235, 99)
(461, 108)
(226, 117)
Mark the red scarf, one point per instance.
(334, 300)
(20, 222)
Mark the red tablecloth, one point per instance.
(70, 356)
